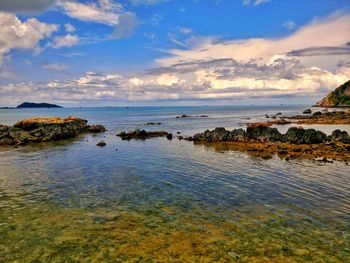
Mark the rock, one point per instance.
(178, 132)
(304, 136)
(153, 123)
(203, 116)
(96, 128)
(307, 111)
(238, 135)
(183, 116)
(141, 134)
(7, 141)
(328, 117)
(259, 124)
(101, 144)
(169, 136)
(341, 136)
(281, 122)
(262, 132)
(234, 255)
(43, 129)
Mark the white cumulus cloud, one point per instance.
(22, 35)
(64, 41)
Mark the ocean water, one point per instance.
(168, 201)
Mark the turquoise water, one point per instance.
(272, 199)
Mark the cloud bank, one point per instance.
(306, 63)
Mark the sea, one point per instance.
(161, 200)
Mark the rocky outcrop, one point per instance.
(341, 136)
(340, 97)
(299, 135)
(261, 133)
(142, 134)
(264, 141)
(329, 117)
(44, 129)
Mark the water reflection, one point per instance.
(168, 200)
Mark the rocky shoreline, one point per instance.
(331, 117)
(265, 141)
(45, 129)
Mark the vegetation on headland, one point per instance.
(340, 97)
(25, 105)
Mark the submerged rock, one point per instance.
(153, 123)
(101, 144)
(141, 134)
(96, 128)
(183, 116)
(43, 129)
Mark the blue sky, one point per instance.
(156, 52)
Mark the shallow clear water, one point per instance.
(218, 201)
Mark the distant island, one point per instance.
(340, 97)
(26, 105)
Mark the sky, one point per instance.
(172, 52)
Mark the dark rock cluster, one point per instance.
(142, 134)
(45, 129)
(264, 133)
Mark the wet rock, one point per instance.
(281, 122)
(141, 134)
(238, 135)
(234, 255)
(43, 129)
(307, 111)
(96, 128)
(7, 141)
(101, 144)
(341, 136)
(304, 136)
(262, 132)
(169, 136)
(330, 117)
(183, 116)
(153, 123)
